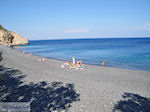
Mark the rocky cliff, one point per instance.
(11, 38)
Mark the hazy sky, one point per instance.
(53, 19)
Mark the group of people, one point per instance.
(78, 65)
(42, 59)
(73, 65)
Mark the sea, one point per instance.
(127, 53)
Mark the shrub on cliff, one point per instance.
(2, 28)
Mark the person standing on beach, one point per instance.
(73, 61)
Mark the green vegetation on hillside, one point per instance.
(2, 28)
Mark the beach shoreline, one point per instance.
(100, 88)
(98, 65)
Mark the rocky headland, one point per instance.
(11, 38)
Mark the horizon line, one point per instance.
(93, 38)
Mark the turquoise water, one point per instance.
(130, 53)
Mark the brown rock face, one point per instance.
(5, 38)
(18, 39)
(11, 38)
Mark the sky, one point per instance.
(68, 19)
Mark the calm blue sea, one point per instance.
(129, 53)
